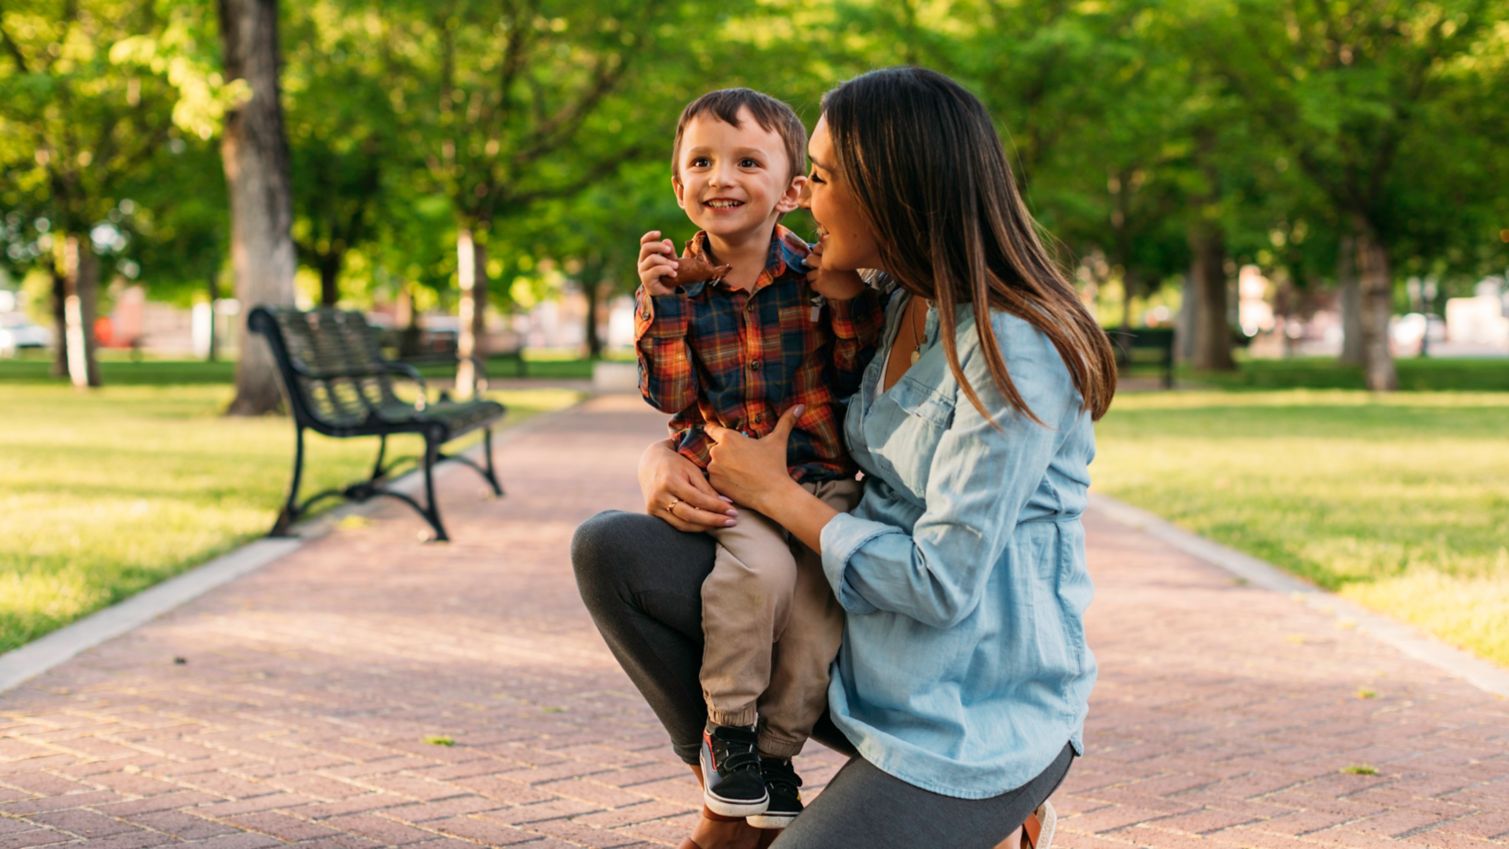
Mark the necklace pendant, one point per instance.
(916, 355)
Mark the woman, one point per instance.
(963, 681)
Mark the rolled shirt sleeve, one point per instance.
(667, 379)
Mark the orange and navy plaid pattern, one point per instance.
(715, 353)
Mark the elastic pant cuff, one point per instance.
(744, 717)
(772, 747)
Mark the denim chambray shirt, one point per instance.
(964, 668)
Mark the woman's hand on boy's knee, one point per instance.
(675, 490)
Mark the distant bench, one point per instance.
(338, 384)
(440, 346)
(1145, 346)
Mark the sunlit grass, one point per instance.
(1416, 374)
(103, 494)
(1399, 502)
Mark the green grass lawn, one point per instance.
(1430, 374)
(1398, 502)
(117, 369)
(103, 494)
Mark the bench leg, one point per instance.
(491, 474)
(290, 511)
(382, 451)
(431, 511)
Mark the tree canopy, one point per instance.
(1330, 143)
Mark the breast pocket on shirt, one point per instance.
(922, 413)
(798, 316)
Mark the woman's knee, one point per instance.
(618, 554)
(597, 553)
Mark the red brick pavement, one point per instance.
(1226, 716)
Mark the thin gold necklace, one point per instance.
(919, 330)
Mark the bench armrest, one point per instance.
(412, 374)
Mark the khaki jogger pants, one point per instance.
(771, 627)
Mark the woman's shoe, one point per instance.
(1037, 831)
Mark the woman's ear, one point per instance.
(791, 199)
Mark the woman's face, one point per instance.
(848, 242)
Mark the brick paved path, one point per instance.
(293, 706)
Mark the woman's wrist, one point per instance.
(780, 501)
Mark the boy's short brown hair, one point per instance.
(772, 115)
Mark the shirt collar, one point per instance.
(788, 252)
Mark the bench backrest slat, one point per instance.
(330, 361)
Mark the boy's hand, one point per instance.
(832, 284)
(657, 263)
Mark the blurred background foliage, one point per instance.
(1288, 134)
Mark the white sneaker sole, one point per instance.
(734, 808)
(770, 821)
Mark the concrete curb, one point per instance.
(22, 664)
(1422, 647)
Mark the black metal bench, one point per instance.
(338, 384)
(1148, 345)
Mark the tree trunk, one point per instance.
(1351, 301)
(1126, 300)
(59, 321)
(1376, 293)
(82, 270)
(1207, 272)
(406, 318)
(254, 151)
(212, 350)
(594, 340)
(1285, 307)
(471, 269)
(1184, 330)
(330, 272)
(592, 290)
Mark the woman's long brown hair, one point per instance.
(922, 158)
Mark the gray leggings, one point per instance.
(641, 580)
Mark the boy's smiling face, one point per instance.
(732, 181)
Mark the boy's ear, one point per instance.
(679, 189)
(791, 199)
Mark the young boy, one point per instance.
(738, 350)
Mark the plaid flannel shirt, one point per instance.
(715, 353)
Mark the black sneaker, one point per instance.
(731, 780)
(782, 783)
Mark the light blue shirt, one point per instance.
(964, 668)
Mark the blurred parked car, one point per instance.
(17, 332)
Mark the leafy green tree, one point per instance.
(179, 231)
(80, 117)
(1343, 86)
(513, 106)
(595, 235)
(341, 130)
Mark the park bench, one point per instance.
(1145, 346)
(338, 383)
